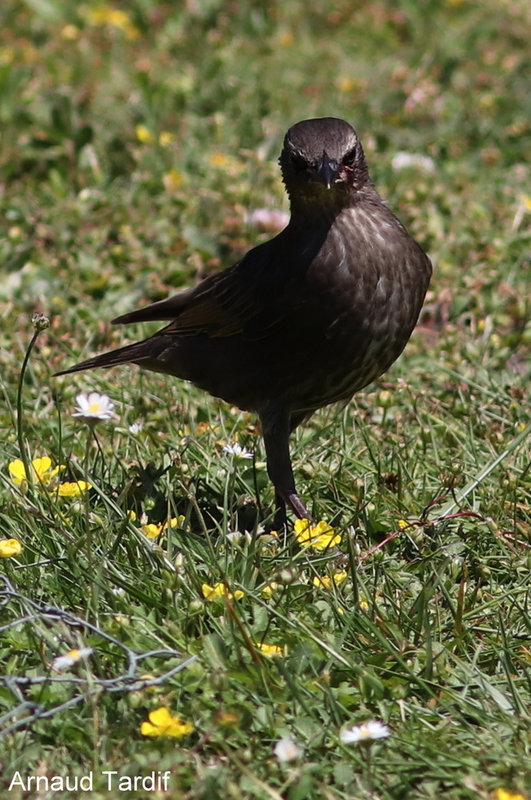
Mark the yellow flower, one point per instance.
(270, 650)
(174, 522)
(42, 470)
(7, 55)
(329, 581)
(73, 489)
(269, 589)
(161, 723)
(107, 15)
(166, 138)
(152, 530)
(9, 548)
(403, 524)
(319, 536)
(229, 718)
(286, 38)
(503, 794)
(69, 32)
(218, 159)
(346, 84)
(220, 590)
(172, 180)
(143, 134)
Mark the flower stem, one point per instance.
(40, 323)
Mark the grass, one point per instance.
(133, 146)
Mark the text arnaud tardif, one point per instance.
(152, 782)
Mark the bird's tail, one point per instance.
(132, 353)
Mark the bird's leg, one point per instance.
(280, 519)
(276, 430)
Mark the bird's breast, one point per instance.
(367, 283)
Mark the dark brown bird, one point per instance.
(305, 319)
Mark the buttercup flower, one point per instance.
(69, 659)
(269, 589)
(503, 794)
(93, 406)
(166, 138)
(104, 14)
(172, 180)
(373, 729)
(73, 488)
(161, 723)
(329, 581)
(174, 522)
(270, 650)
(318, 537)
(287, 750)
(218, 160)
(220, 590)
(42, 470)
(143, 134)
(153, 530)
(9, 548)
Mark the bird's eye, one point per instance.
(349, 158)
(299, 162)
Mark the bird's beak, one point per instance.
(327, 170)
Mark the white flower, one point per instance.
(93, 406)
(135, 428)
(270, 220)
(373, 729)
(287, 750)
(403, 160)
(61, 663)
(237, 451)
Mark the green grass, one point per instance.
(425, 475)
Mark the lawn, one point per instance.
(155, 640)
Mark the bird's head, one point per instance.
(322, 163)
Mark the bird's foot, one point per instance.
(280, 519)
(296, 504)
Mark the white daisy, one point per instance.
(287, 750)
(93, 406)
(61, 663)
(268, 219)
(403, 160)
(237, 450)
(373, 729)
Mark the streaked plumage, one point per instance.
(305, 319)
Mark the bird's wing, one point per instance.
(225, 304)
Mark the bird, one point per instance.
(303, 320)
